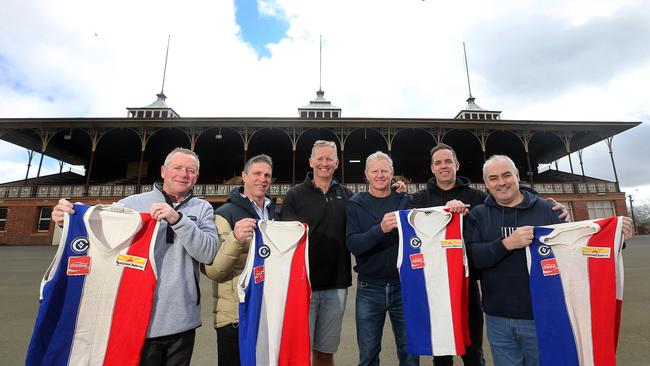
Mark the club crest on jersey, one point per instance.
(264, 251)
(258, 274)
(78, 265)
(544, 250)
(596, 252)
(415, 242)
(79, 245)
(549, 267)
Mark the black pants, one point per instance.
(228, 345)
(172, 350)
(474, 353)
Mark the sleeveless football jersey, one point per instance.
(274, 292)
(576, 284)
(434, 276)
(97, 294)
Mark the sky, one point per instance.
(546, 60)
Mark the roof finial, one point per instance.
(162, 89)
(469, 86)
(320, 64)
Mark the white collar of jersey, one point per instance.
(282, 235)
(423, 230)
(569, 229)
(111, 236)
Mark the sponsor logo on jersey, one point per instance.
(131, 261)
(544, 250)
(451, 243)
(258, 273)
(417, 260)
(596, 252)
(264, 251)
(78, 265)
(415, 242)
(549, 267)
(79, 245)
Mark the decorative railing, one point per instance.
(202, 190)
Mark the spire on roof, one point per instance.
(473, 111)
(159, 108)
(320, 107)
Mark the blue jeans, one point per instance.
(512, 341)
(373, 302)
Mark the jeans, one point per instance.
(373, 301)
(512, 341)
(228, 345)
(175, 349)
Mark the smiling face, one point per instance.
(179, 175)
(257, 180)
(444, 167)
(379, 175)
(324, 162)
(502, 180)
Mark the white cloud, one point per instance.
(381, 58)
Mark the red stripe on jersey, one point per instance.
(602, 282)
(128, 327)
(457, 284)
(294, 344)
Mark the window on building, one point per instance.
(44, 219)
(481, 116)
(600, 209)
(312, 114)
(328, 114)
(335, 114)
(156, 114)
(3, 218)
(474, 116)
(147, 114)
(569, 208)
(140, 114)
(303, 114)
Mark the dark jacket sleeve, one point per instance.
(358, 239)
(482, 252)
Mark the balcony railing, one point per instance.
(203, 190)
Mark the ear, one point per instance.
(162, 171)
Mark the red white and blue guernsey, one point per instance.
(97, 294)
(576, 284)
(434, 277)
(274, 292)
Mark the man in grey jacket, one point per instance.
(186, 237)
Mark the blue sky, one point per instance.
(537, 59)
(260, 25)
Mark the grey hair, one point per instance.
(494, 158)
(322, 143)
(182, 150)
(261, 158)
(379, 155)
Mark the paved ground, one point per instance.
(21, 269)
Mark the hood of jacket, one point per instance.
(461, 182)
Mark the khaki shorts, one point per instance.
(325, 319)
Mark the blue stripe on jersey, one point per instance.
(414, 295)
(57, 312)
(555, 338)
(249, 310)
